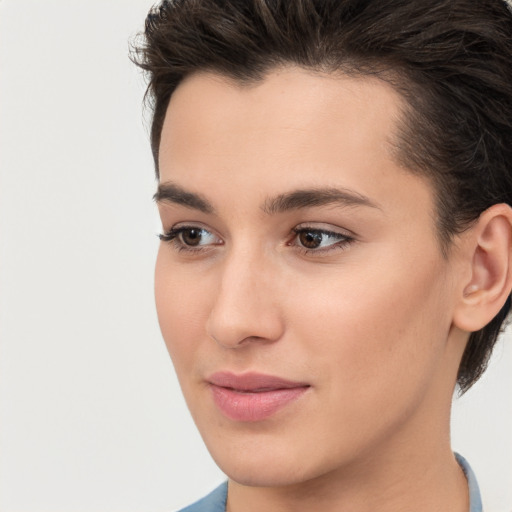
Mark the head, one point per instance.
(429, 81)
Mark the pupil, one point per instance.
(191, 236)
(310, 239)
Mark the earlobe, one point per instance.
(490, 258)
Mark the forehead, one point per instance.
(285, 99)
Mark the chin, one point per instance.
(267, 474)
(270, 464)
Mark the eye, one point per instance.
(319, 240)
(190, 237)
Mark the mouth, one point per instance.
(253, 397)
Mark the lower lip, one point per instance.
(257, 406)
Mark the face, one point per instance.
(300, 288)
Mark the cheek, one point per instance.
(182, 305)
(375, 333)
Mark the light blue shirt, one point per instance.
(216, 500)
(475, 501)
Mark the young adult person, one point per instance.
(334, 189)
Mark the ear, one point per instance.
(489, 246)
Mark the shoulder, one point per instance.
(213, 502)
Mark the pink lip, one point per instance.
(253, 396)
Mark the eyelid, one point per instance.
(191, 225)
(325, 228)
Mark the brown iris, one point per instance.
(191, 236)
(310, 239)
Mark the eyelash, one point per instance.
(174, 237)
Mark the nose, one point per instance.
(246, 308)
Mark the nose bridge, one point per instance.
(245, 308)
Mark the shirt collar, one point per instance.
(475, 500)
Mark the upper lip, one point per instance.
(252, 381)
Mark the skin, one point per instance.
(374, 324)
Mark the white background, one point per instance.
(91, 417)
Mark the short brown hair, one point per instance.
(450, 59)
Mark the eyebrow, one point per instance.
(173, 193)
(308, 198)
(297, 199)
